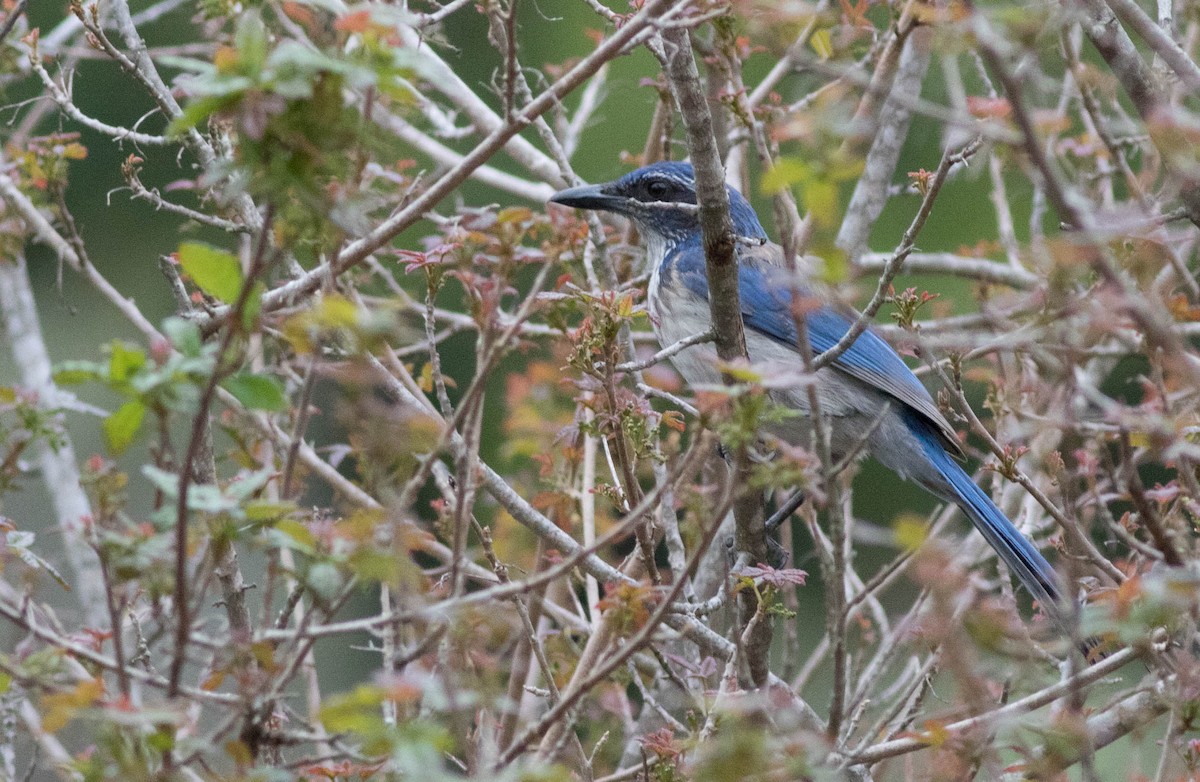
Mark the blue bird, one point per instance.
(868, 393)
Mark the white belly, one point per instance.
(678, 315)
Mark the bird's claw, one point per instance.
(777, 556)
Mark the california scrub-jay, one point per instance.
(910, 436)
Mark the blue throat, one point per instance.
(688, 246)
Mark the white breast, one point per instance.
(677, 314)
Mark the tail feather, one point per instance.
(1022, 558)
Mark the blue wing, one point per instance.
(766, 290)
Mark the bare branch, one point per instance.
(1027, 704)
(896, 262)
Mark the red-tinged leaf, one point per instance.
(420, 260)
(354, 22)
(214, 680)
(123, 703)
(673, 419)
(98, 637)
(988, 108)
(1183, 310)
(300, 14)
(226, 59)
(662, 743)
(777, 577)
(921, 180)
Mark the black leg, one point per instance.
(785, 510)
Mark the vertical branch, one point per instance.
(871, 190)
(715, 222)
(197, 467)
(587, 509)
(1160, 40)
(58, 465)
(510, 58)
(787, 216)
(720, 261)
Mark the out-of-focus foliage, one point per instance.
(329, 450)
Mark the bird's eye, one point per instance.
(658, 190)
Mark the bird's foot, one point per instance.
(777, 556)
(731, 552)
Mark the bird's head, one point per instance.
(661, 200)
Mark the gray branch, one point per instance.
(871, 190)
(58, 466)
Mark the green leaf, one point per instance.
(248, 483)
(742, 372)
(786, 172)
(291, 57)
(266, 511)
(356, 711)
(184, 335)
(337, 7)
(198, 111)
(216, 272)
(166, 482)
(836, 266)
(375, 564)
(821, 200)
(162, 739)
(253, 307)
(324, 581)
(911, 531)
(71, 373)
(124, 361)
(822, 43)
(122, 426)
(207, 498)
(294, 535)
(257, 392)
(250, 40)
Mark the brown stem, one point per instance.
(720, 262)
(192, 469)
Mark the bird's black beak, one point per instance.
(585, 197)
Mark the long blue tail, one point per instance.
(1015, 549)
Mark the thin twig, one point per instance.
(896, 262)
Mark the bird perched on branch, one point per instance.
(868, 394)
